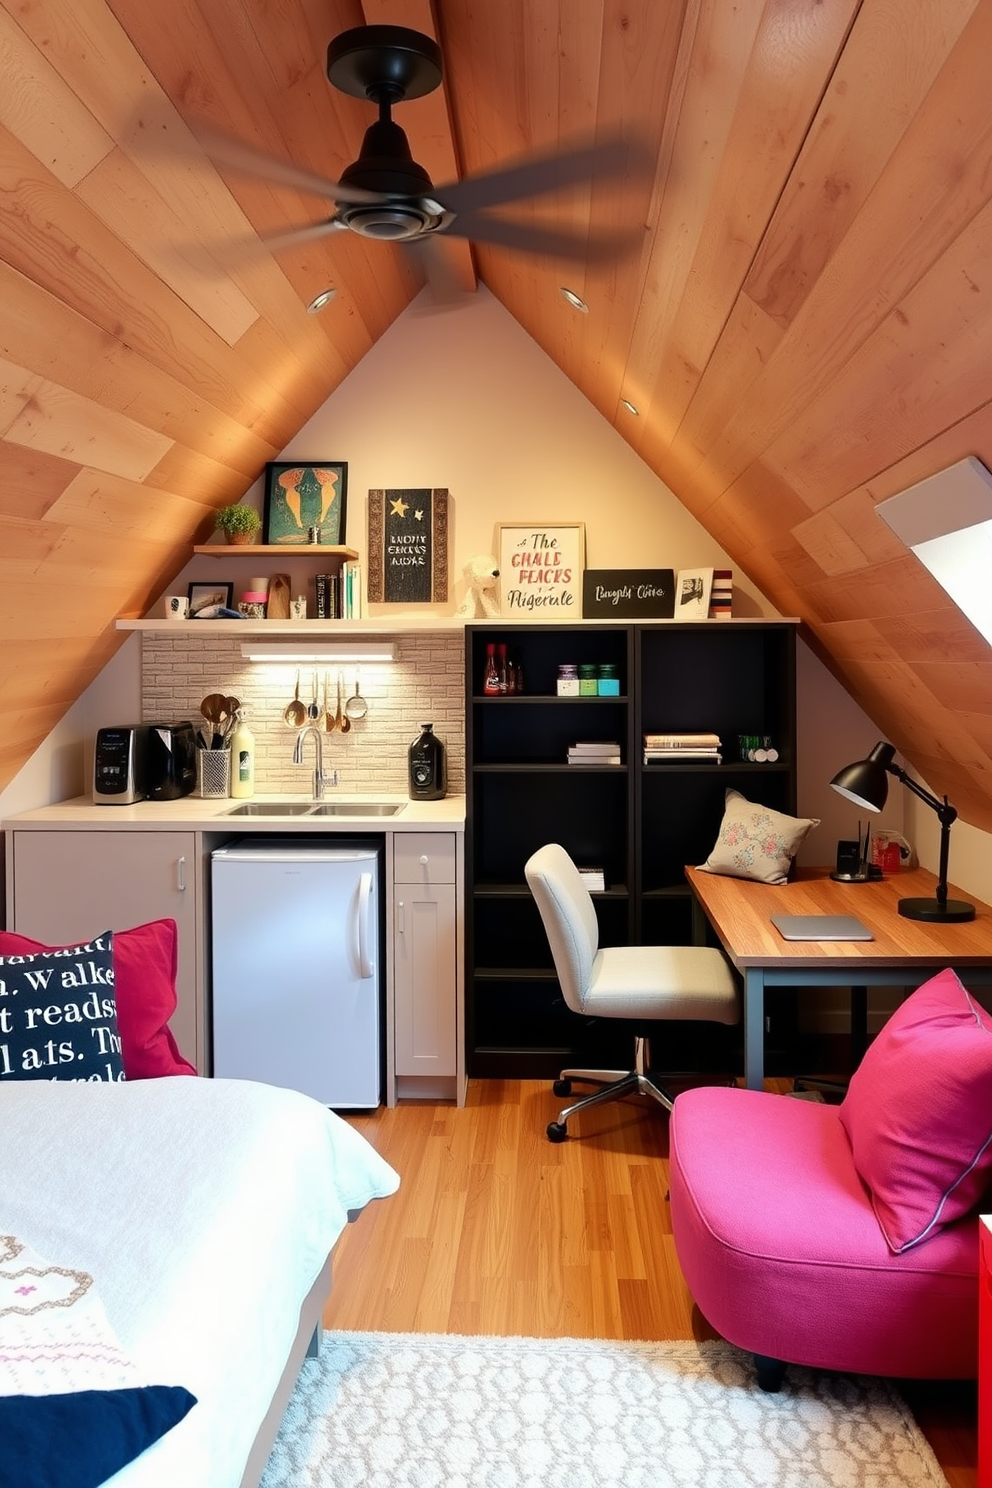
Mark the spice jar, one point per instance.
(608, 680)
(568, 680)
(588, 679)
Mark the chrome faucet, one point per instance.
(321, 778)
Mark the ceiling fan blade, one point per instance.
(226, 149)
(295, 237)
(534, 177)
(591, 248)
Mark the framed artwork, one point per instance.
(540, 568)
(692, 593)
(206, 599)
(408, 546)
(299, 497)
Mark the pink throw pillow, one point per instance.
(145, 961)
(918, 1112)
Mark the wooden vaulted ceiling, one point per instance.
(805, 324)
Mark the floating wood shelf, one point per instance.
(269, 550)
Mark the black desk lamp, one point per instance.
(865, 784)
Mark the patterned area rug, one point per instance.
(389, 1410)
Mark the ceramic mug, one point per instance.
(177, 607)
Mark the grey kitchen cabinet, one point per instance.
(67, 886)
(425, 964)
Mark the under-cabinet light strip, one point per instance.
(318, 651)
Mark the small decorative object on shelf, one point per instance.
(722, 594)
(692, 593)
(608, 679)
(238, 523)
(568, 679)
(481, 574)
(757, 749)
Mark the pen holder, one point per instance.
(214, 772)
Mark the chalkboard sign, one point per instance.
(408, 546)
(628, 593)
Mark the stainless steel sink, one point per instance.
(316, 808)
(272, 808)
(356, 808)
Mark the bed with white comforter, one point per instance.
(205, 1211)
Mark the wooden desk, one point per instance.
(904, 953)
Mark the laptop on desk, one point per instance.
(820, 927)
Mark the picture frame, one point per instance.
(540, 569)
(205, 596)
(692, 593)
(300, 495)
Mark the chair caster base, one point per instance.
(562, 1087)
(771, 1373)
(557, 1130)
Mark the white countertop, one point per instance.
(195, 813)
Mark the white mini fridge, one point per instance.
(296, 951)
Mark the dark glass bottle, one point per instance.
(428, 774)
(501, 671)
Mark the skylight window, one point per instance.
(946, 520)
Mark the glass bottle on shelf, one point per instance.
(490, 679)
(501, 669)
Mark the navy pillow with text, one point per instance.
(58, 1014)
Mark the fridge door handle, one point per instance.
(366, 965)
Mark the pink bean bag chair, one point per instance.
(846, 1237)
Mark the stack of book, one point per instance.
(676, 749)
(598, 752)
(722, 594)
(594, 879)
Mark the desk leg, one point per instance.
(754, 1028)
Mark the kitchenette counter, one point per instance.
(76, 869)
(199, 814)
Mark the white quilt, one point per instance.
(204, 1210)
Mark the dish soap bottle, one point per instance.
(427, 769)
(242, 759)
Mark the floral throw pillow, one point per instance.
(756, 841)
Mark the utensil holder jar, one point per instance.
(214, 772)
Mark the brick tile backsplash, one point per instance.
(425, 682)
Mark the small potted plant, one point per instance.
(238, 523)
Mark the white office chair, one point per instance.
(644, 983)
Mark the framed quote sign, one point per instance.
(408, 546)
(540, 568)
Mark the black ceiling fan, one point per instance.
(385, 195)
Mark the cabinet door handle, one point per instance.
(365, 963)
(400, 918)
(424, 859)
(181, 875)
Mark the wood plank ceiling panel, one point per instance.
(802, 319)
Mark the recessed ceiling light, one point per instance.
(626, 403)
(576, 301)
(319, 301)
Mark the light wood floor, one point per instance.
(497, 1230)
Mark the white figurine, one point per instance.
(482, 571)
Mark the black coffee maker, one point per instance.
(428, 775)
